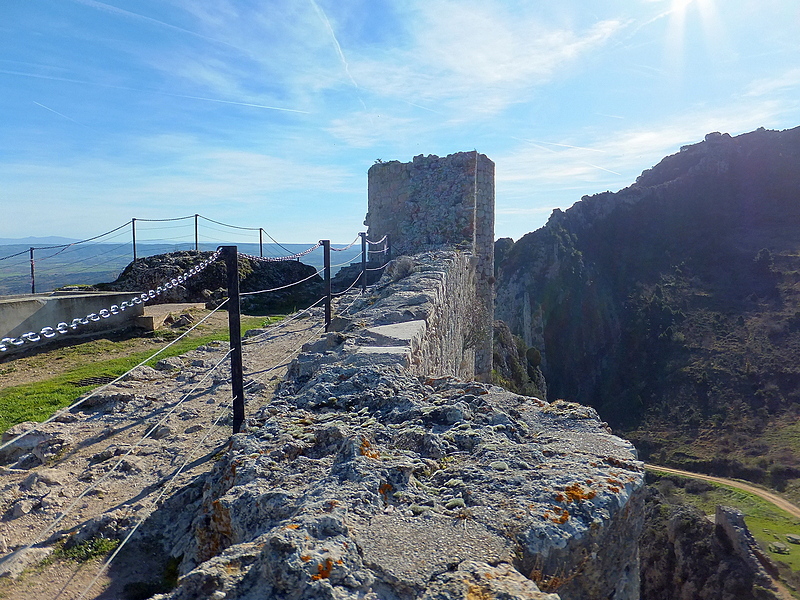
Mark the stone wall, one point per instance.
(435, 202)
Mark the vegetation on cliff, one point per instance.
(673, 306)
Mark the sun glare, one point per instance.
(678, 41)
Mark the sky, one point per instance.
(269, 113)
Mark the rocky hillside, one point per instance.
(672, 305)
(210, 284)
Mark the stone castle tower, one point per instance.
(435, 202)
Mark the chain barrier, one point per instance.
(281, 258)
(50, 332)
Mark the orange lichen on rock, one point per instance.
(324, 570)
(384, 490)
(576, 493)
(293, 526)
(561, 515)
(305, 557)
(367, 450)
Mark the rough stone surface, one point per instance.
(367, 478)
(685, 556)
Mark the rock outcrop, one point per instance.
(209, 285)
(684, 555)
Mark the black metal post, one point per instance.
(196, 239)
(230, 256)
(363, 235)
(388, 247)
(33, 275)
(261, 242)
(133, 233)
(326, 249)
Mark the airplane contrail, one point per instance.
(324, 18)
(126, 13)
(158, 92)
(56, 112)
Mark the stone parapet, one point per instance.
(376, 474)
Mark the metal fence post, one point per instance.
(133, 234)
(33, 274)
(363, 235)
(196, 238)
(230, 255)
(326, 249)
(261, 242)
(388, 248)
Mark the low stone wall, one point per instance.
(21, 314)
(367, 477)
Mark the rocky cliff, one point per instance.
(672, 305)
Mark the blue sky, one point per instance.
(269, 113)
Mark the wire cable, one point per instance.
(283, 287)
(46, 531)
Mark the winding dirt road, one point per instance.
(781, 503)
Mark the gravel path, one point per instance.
(101, 470)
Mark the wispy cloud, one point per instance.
(786, 81)
(477, 57)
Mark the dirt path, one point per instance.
(108, 470)
(781, 503)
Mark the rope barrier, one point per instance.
(284, 323)
(96, 391)
(105, 313)
(383, 266)
(352, 285)
(383, 239)
(283, 287)
(164, 489)
(347, 262)
(353, 243)
(168, 485)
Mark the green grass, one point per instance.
(766, 522)
(39, 400)
(86, 551)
